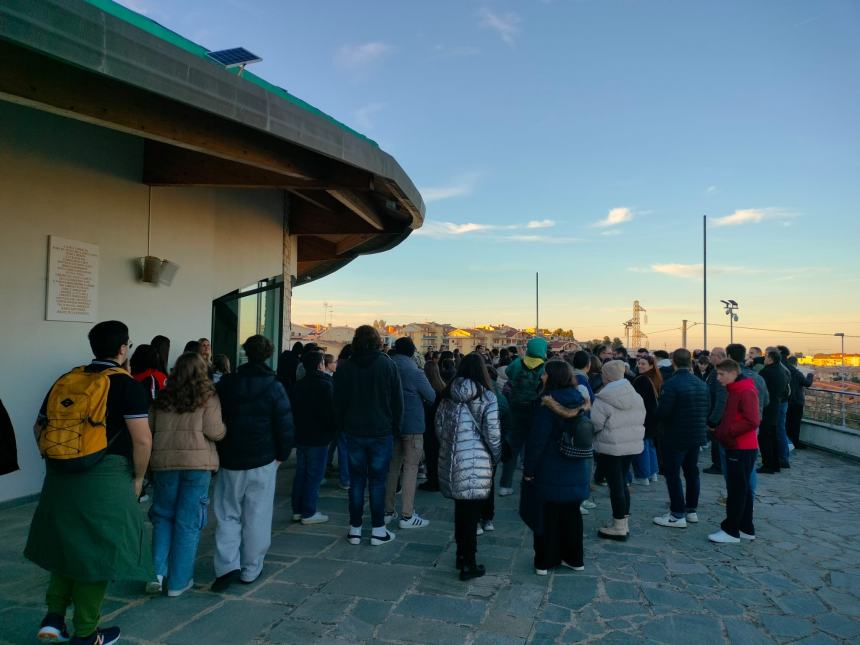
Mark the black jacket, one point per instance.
(776, 377)
(288, 363)
(683, 411)
(313, 409)
(643, 387)
(799, 381)
(258, 417)
(368, 398)
(8, 450)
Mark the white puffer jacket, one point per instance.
(470, 441)
(618, 415)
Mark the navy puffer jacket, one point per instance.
(558, 479)
(258, 417)
(683, 411)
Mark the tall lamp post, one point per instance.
(731, 307)
(841, 335)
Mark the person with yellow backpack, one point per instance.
(88, 529)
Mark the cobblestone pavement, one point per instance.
(799, 582)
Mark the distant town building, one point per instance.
(830, 360)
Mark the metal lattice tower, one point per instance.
(638, 336)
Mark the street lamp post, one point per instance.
(841, 335)
(731, 307)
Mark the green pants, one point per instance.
(86, 596)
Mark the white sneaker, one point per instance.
(642, 482)
(504, 492)
(570, 566)
(671, 521)
(379, 540)
(297, 517)
(489, 526)
(316, 518)
(693, 518)
(655, 477)
(354, 535)
(588, 504)
(389, 517)
(541, 572)
(721, 537)
(155, 585)
(746, 536)
(178, 592)
(414, 522)
(583, 510)
(480, 531)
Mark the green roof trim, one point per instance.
(153, 28)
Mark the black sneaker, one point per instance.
(713, 470)
(106, 636)
(53, 629)
(222, 582)
(470, 571)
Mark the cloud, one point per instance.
(711, 190)
(753, 216)
(542, 223)
(439, 230)
(359, 57)
(364, 115)
(506, 25)
(611, 232)
(460, 187)
(693, 271)
(615, 217)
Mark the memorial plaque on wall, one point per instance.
(73, 279)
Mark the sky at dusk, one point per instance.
(584, 140)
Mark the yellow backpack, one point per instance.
(74, 436)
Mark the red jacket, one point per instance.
(741, 419)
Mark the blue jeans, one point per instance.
(343, 459)
(781, 434)
(675, 461)
(179, 512)
(645, 464)
(310, 472)
(753, 474)
(369, 459)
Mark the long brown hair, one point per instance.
(653, 374)
(188, 387)
(431, 369)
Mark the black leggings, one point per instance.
(467, 512)
(615, 470)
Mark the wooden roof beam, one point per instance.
(313, 249)
(360, 206)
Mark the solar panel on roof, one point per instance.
(234, 57)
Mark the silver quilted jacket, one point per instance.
(470, 441)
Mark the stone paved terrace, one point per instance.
(799, 582)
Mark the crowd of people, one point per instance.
(570, 421)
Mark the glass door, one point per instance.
(255, 309)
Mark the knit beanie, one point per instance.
(614, 371)
(536, 347)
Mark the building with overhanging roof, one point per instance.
(121, 140)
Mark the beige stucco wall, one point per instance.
(82, 182)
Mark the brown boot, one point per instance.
(616, 531)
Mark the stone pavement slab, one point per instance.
(799, 582)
